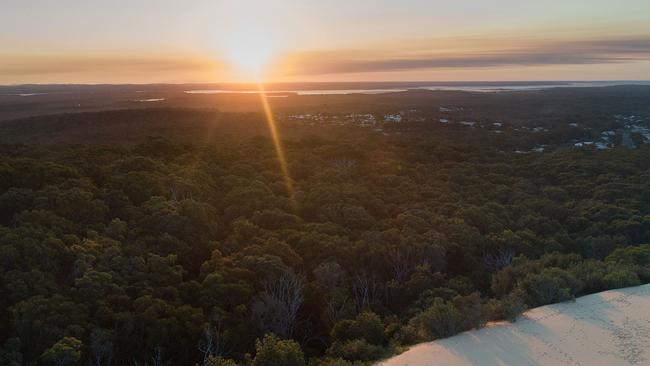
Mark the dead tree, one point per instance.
(101, 347)
(405, 256)
(364, 291)
(211, 343)
(403, 261)
(278, 305)
(157, 357)
(336, 307)
(498, 261)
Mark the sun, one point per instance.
(250, 52)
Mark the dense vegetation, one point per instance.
(171, 253)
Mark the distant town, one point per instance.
(633, 131)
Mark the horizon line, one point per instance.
(332, 82)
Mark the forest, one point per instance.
(167, 251)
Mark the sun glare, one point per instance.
(250, 52)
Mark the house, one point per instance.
(393, 118)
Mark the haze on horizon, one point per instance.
(74, 41)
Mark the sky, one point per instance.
(173, 41)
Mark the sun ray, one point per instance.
(277, 142)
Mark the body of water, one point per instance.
(488, 87)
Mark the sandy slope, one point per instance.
(608, 328)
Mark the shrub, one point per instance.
(406, 335)
(366, 325)
(472, 309)
(591, 273)
(621, 277)
(439, 320)
(336, 362)
(356, 350)
(272, 351)
(631, 255)
(549, 286)
(508, 308)
(636, 258)
(218, 361)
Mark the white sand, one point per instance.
(608, 328)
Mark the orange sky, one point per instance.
(92, 41)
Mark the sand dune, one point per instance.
(608, 328)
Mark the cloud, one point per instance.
(481, 54)
(17, 65)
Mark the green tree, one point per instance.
(66, 351)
